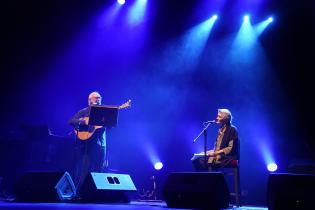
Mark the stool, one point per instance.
(233, 170)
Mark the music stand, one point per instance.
(106, 116)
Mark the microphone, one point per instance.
(209, 122)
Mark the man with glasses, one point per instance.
(91, 152)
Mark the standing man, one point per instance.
(91, 152)
(226, 147)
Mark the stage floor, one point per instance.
(133, 205)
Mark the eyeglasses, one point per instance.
(97, 97)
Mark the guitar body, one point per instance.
(84, 135)
(87, 133)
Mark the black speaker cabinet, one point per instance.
(45, 187)
(106, 187)
(290, 191)
(207, 190)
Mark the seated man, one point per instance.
(225, 151)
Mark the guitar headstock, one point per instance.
(125, 105)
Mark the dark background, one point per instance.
(53, 56)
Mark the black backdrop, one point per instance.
(33, 34)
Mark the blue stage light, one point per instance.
(260, 27)
(270, 19)
(272, 167)
(121, 2)
(137, 12)
(246, 18)
(158, 166)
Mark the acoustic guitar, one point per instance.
(90, 129)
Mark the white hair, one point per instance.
(93, 93)
(227, 114)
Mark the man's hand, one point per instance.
(211, 153)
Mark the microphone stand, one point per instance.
(204, 132)
(77, 164)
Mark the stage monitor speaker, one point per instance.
(106, 187)
(206, 190)
(45, 187)
(290, 191)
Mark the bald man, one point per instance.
(91, 152)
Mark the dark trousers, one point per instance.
(199, 164)
(90, 158)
